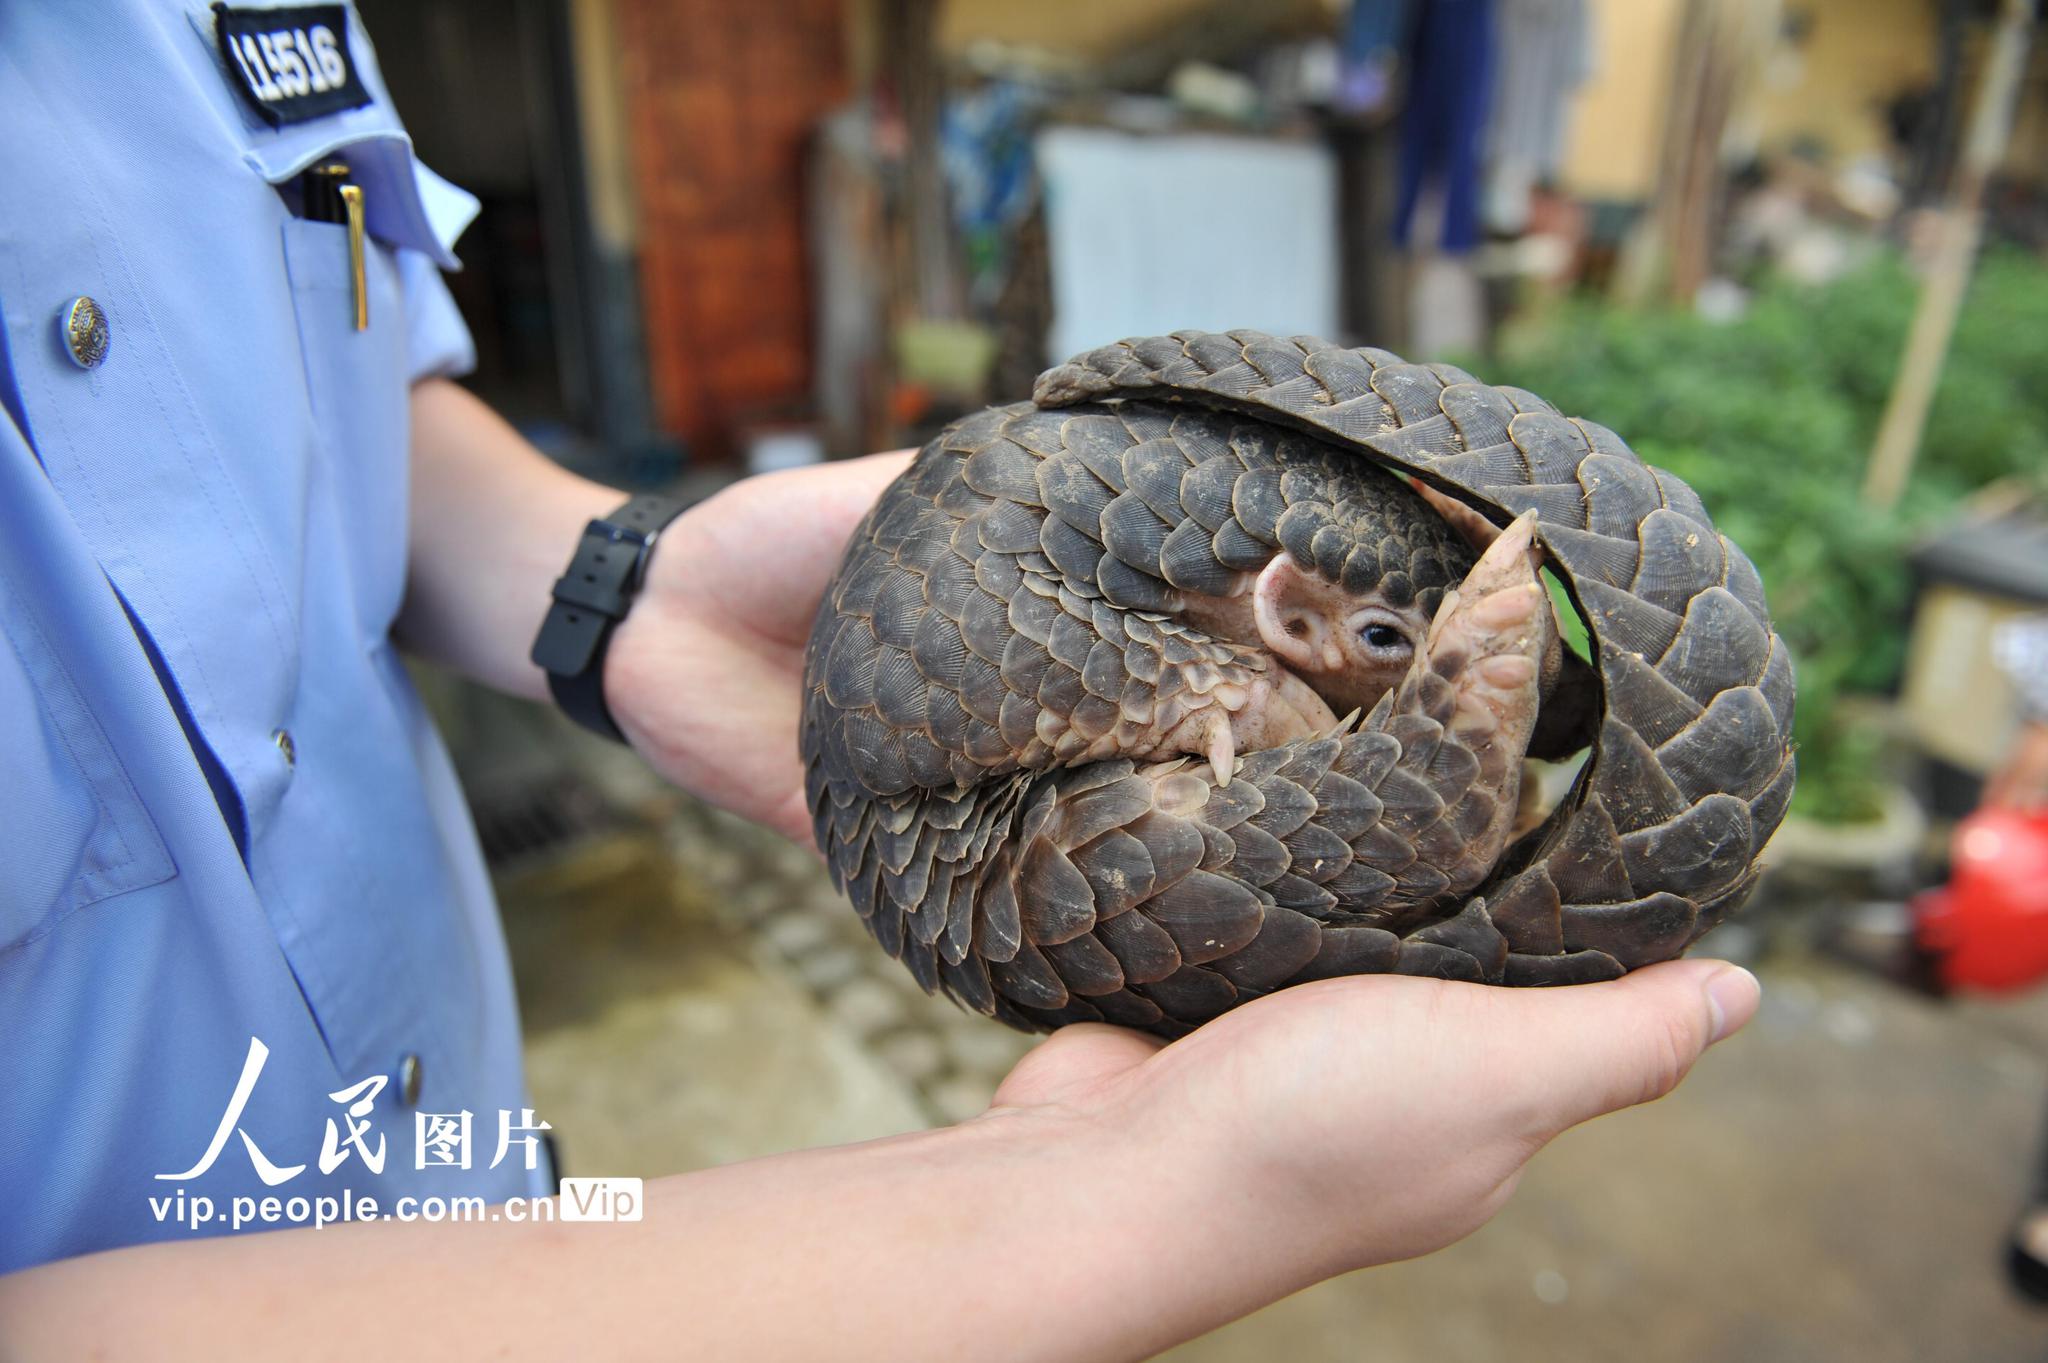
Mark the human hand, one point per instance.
(1120, 1198)
(1357, 1121)
(705, 676)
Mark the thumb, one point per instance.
(1073, 1061)
(1591, 1049)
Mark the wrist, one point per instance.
(597, 593)
(1167, 1211)
(1245, 1145)
(651, 634)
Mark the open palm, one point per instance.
(1441, 1091)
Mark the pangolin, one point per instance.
(1172, 687)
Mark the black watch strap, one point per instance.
(590, 599)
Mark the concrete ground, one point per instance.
(1834, 1184)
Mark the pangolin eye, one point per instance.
(1384, 637)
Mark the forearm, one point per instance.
(1015, 1236)
(493, 521)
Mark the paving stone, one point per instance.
(828, 966)
(959, 1097)
(794, 934)
(761, 900)
(914, 1055)
(985, 1048)
(865, 1006)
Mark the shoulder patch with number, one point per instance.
(291, 63)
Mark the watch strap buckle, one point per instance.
(589, 599)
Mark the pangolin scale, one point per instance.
(995, 669)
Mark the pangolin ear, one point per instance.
(1292, 611)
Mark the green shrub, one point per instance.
(1770, 419)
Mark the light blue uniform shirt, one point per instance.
(203, 546)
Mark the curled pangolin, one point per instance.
(1072, 729)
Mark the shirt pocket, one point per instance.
(358, 382)
(357, 390)
(76, 831)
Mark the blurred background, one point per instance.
(1792, 250)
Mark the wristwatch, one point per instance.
(590, 599)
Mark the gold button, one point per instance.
(85, 332)
(283, 739)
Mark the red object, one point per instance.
(1987, 929)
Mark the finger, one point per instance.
(878, 469)
(847, 486)
(1073, 1061)
(1591, 1049)
(764, 548)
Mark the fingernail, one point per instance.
(1732, 995)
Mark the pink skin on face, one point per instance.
(1333, 651)
(1350, 648)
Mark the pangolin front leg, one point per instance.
(1488, 648)
(1276, 707)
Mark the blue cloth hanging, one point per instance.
(1450, 85)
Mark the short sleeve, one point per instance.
(437, 340)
